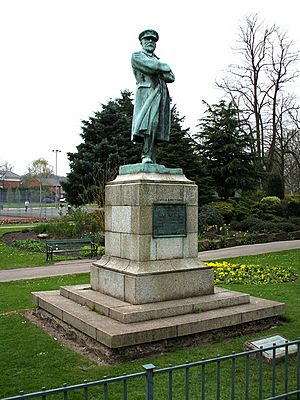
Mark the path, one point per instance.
(248, 250)
(57, 269)
(81, 266)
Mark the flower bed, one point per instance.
(227, 273)
(20, 220)
(30, 245)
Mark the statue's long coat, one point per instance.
(152, 102)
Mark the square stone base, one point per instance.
(152, 281)
(116, 324)
(129, 209)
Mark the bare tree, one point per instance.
(291, 165)
(95, 193)
(259, 85)
(285, 143)
(284, 110)
(5, 167)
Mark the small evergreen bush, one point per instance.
(293, 208)
(271, 201)
(269, 206)
(209, 216)
(225, 208)
(288, 226)
(241, 212)
(265, 227)
(246, 224)
(295, 220)
(275, 186)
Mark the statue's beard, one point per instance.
(149, 48)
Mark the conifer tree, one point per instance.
(225, 150)
(106, 145)
(180, 152)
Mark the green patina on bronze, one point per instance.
(154, 168)
(151, 116)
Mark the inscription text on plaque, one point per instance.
(169, 220)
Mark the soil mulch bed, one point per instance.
(85, 345)
(10, 236)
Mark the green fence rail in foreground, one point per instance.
(244, 375)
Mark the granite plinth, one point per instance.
(148, 287)
(139, 267)
(129, 202)
(151, 281)
(115, 334)
(128, 313)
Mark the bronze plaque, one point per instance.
(169, 220)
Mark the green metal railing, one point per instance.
(247, 376)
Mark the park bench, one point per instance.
(57, 246)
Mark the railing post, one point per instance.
(298, 368)
(21, 392)
(170, 384)
(286, 367)
(149, 380)
(85, 390)
(43, 395)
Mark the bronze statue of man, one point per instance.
(151, 116)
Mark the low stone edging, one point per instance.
(259, 238)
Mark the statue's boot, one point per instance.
(147, 160)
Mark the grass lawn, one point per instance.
(11, 257)
(289, 293)
(31, 359)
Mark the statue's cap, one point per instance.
(149, 33)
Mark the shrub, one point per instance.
(272, 218)
(61, 229)
(292, 197)
(41, 228)
(269, 206)
(295, 220)
(97, 237)
(99, 216)
(288, 226)
(246, 224)
(83, 222)
(249, 238)
(293, 208)
(209, 216)
(76, 224)
(275, 186)
(284, 208)
(208, 244)
(271, 201)
(225, 208)
(241, 212)
(85, 251)
(265, 227)
(30, 245)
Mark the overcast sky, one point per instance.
(62, 59)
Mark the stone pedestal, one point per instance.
(141, 266)
(150, 286)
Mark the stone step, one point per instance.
(115, 334)
(128, 313)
